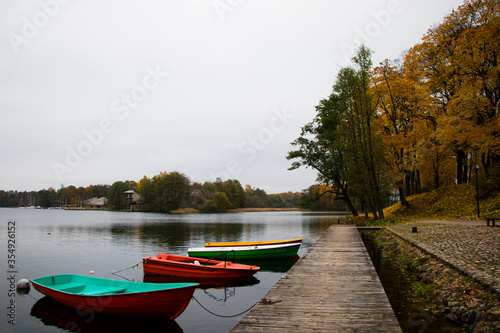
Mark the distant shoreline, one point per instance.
(238, 210)
(244, 210)
(178, 211)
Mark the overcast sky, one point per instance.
(92, 92)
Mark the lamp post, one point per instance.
(477, 190)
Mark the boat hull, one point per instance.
(189, 267)
(53, 313)
(88, 294)
(247, 252)
(274, 242)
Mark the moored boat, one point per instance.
(191, 267)
(246, 252)
(271, 242)
(113, 297)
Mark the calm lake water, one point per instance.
(49, 242)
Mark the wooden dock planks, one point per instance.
(332, 288)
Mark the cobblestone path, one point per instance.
(472, 249)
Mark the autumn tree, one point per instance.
(168, 191)
(364, 154)
(458, 60)
(117, 191)
(257, 197)
(69, 196)
(320, 146)
(342, 144)
(285, 200)
(399, 102)
(46, 198)
(320, 198)
(234, 192)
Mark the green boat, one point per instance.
(246, 252)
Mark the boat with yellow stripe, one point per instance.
(272, 242)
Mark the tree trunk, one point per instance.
(407, 183)
(346, 198)
(374, 211)
(485, 161)
(413, 191)
(460, 160)
(402, 198)
(435, 166)
(364, 208)
(348, 203)
(419, 184)
(380, 206)
(466, 169)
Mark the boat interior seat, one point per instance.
(72, 287)
(105, 291)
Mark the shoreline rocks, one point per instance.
(448, 292)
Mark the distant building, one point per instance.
(96, 203)
(131, 200)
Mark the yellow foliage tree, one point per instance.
(458, 61)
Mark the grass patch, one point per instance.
(361, 221)
(185, 211)
(449, 202)
(244, 210)
(423, 290)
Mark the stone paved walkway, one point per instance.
(469, 247)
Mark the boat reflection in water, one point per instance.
(274, 266)
(204, 283)
(52, 313)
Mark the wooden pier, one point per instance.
(332, 288)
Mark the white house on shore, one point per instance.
(96, 203)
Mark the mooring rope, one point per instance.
(121, 270)
(204, 308)
(218, 315)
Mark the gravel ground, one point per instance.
(470, 247)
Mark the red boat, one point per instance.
(114, 297)
(192, 267)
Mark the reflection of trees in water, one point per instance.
(185, 231)
(179, 234)
(318, 225)
(176, 234)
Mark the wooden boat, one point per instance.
(113, 297)
(273, 242)
(246, 252)
(190, 267)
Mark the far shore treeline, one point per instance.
(172, 191)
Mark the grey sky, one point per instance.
(92, 92)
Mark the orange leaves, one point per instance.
(441, 102)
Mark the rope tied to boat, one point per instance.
(223, 316)
(133, 266)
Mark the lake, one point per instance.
(49, 242)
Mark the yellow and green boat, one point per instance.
(275, 251)
(272, 242)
